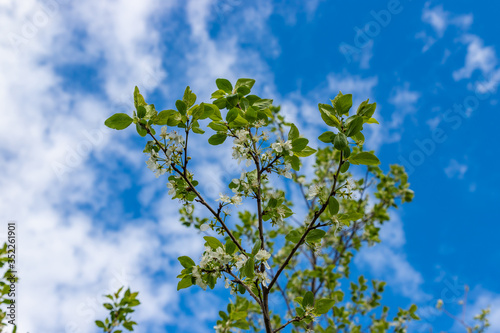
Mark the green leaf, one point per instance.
(233, 99)
(141, 130)
(242, 324)
(197, 129)
(251, 114)
(340, 141)
(215, 114)
(323, 305)
(186, 282)
(327, 114)
(240, 121)
(342, 103)
(256, 247)
(294, 236)
(345, 166)
(230, 247)
(370, 120)
(299, 144)
(213, 242)
(294, 161)
(181, 106)
(244, 83)
(150, 111)
(243, 90)
(307, 151)
(220, 103)
(186, 262)
(262, 103)
(141, 111)
(217, 126)
(189, 97)
(217, 139)
(225, 85)
(327, 137)
(359, 138)
(364, 158)
(293, 133)
(315, 235)
(138, 99)
(100, 324)
(333, 206)
(232, 114)
(354, 126)
(163, 117)
(366, 110)
(308, 299)
(249, 268)
(118, 121)
(218, 94)
(108, 306)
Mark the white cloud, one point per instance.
(361, 88)
(440, 20)
(405, 103)
(68, 256)
(479, 57)
(456, 169)
(388, 261)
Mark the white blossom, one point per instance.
(262, 277)
(197, 275)
(282, 147)
(163, 133)
(262, 255)
(314, 190)
(240, 261)
(280, 211)
(172, 186)
(236, 200)
(224, 198)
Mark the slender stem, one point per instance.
(228, 271)
(289, 322)
(317, 214)
(200, 197)
(265, 291)
(267, 319)
(186, 149)
(256, 159)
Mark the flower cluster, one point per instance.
(174, 144)
(284, 147)
(210, 255)
(314, 190)
(172, 185)
(241, 148)
(235, 200)
(245, 184)
(154, 165)
(285, 171)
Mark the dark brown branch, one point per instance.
(317, 214)
(200, 198)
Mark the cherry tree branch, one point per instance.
(200, 197)
(317, 214)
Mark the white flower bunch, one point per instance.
(283, 147)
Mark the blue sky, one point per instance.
(91, 216)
